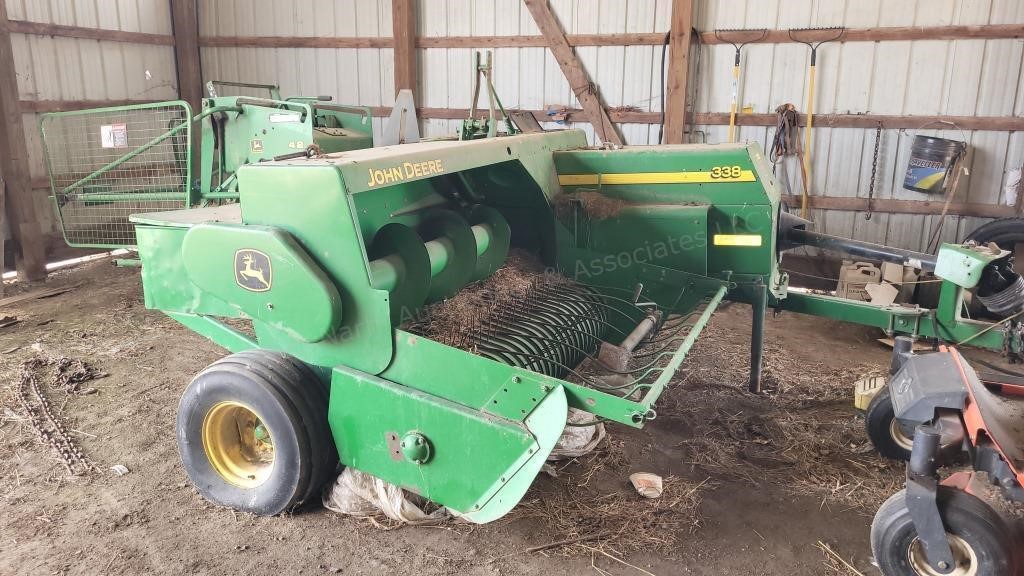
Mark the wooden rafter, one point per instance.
(883, 34)
(585, 90)
(185, 20)
(17, 205)
(678, 71)
(895, 206)
(106, 34)
(403, 14)
(295, 42)
(896, 121)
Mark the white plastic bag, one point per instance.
(359, 494)
(577, 441)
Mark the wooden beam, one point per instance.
(403, 18)
(586, 91)
(895, 34)
(990, 123)
(18, 207)
(886, 34)
(627, 39)
(104, 34)
(993, 123)
(678, 71)
(881, 205)
(294, 42)
(185, 22)
(40, 106)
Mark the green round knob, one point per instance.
(416, 448)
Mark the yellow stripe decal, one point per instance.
(652, 178)
(737, 240)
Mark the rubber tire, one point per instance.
(310, 396)
(291, 400)
(877, 422)
(892, 532)
(1005, 232)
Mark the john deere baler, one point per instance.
(347, 263)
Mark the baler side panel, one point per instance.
(733, 183)
(165, 281)
(477, 463)
(311, 203)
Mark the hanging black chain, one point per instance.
(874, 171)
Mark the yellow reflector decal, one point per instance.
(654, 178)
(737, 240)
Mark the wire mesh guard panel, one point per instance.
(110, 163)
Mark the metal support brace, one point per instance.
(922, 490)
(759, 304)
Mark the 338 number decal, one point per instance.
(726, 172)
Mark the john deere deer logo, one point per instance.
(252, 270)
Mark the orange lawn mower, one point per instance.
(940, 527)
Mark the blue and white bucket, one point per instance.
(931, 161)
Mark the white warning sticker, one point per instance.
(114, 136)
(285, 117)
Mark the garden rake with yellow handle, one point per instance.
(740, 38)
(813, 38)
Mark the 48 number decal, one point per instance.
(726, 172)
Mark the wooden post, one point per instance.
(185, 28)
(585, 90)
(185, 24)
(18, 206)
(678, 69)
(3, 217)
(403, 17)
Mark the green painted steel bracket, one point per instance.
(266, 274)
(943, 323)
(963, 265)
(215, 330)
(370, 417)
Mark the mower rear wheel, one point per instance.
(890, 437)
(253, 435)
(978, 537)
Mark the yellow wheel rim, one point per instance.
(899, 436)
(238, 444)
(964, 559)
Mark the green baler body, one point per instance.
(316, 220)
(691, 224)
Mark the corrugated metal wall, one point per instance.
(967, 77)
(54, 68)
(958, 78)
(362, 76)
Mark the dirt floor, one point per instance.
(784, 483)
